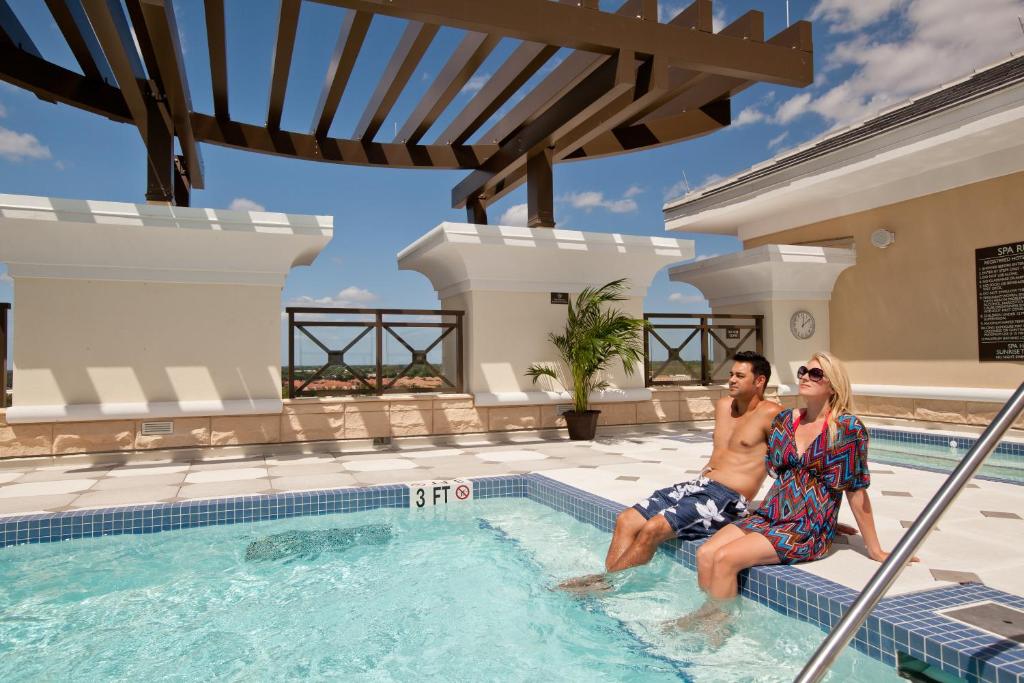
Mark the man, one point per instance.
(698, 508)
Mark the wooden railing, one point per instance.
(708, 343)
(4, 310)
(428, 344)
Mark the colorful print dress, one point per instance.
(800, 512)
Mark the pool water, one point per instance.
(1006, 466)
(463, 593)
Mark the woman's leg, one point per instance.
(733, 557)
(706, 552)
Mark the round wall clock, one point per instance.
(801, 324)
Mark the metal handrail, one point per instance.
(817, 666)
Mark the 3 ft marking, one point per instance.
(425, 494)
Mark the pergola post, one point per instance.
(540, 192)
(160, 156)
(476, 212)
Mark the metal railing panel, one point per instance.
(818, 665)
(719, 336)
(374, 375)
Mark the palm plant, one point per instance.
(592, 339)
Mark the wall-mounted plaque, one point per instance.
(732, 333)
(1000, 281)
(560, 298)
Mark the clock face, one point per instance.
(802, 325)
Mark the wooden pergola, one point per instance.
(630, 83)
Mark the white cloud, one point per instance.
(20, 146)
(667, 11)
(748, 116)
(59, 165)
(940, 41)
(514, 215)
(347, 298)
(476, 82)
(243, 204)
(778, 139)
(589, 201)
(3, 111)
(6, 278)
(844, 16)
(718, 18)
(633, 191)
(680, 298)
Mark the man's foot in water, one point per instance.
(591, 583)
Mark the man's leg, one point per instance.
(656, 531)
(627, 526)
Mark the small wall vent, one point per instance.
(157, 428)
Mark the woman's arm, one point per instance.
(860, 505)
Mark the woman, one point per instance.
(816, 455)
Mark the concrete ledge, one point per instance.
(123, 411)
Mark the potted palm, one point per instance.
(592, 340)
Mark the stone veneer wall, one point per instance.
(320, 419)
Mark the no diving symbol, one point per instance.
(462, 492)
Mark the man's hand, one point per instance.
(846, 529)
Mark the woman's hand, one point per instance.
(879, 555)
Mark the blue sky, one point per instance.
(868, 54)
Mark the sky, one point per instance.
(869, 55)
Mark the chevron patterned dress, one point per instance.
(800, 512)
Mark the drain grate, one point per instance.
(1000, 620)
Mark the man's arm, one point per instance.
(723, 413)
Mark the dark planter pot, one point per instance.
(582, 426)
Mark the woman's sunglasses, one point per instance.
(814, 374)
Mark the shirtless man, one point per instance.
(698, 508)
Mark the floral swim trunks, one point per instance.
(695, 509)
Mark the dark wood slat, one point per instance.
(78, 33)
(115, 38)
(414, 42)
(216, 42)
(603, 86)
(548, 22)
(520, 67)
(337, 150)
(57, 84)
(162, 29)
(346, 51)
(284, 45)
(13, 33)
(571, 71)
(468, 56)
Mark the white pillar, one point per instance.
(141, 310)
(504, 278)
(776, 281)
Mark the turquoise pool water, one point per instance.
(458, 594)
(944, 458)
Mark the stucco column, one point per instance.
(141, 310)
(504, 278)
(775, 281)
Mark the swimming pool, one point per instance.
(462, 593)
(943, 452)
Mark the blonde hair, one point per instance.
(841, 401)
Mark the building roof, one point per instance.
(851, 144)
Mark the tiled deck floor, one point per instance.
(977, 540)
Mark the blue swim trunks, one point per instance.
(695, 509)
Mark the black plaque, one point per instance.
(1000, 275)
(732, 333)
(560, 298)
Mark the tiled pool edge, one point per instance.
(907, 623)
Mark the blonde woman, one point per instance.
(816, 455)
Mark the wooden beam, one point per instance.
(255, 138)
(13, 33)
(605, 84)
(547, 22)
(284, 45)
(414, 42)
(78, 33)
(521, 65)
(350, 42)
(217, 45)
(57, 84)
(168, 67)
(468, 56)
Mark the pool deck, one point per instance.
(977, 540)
